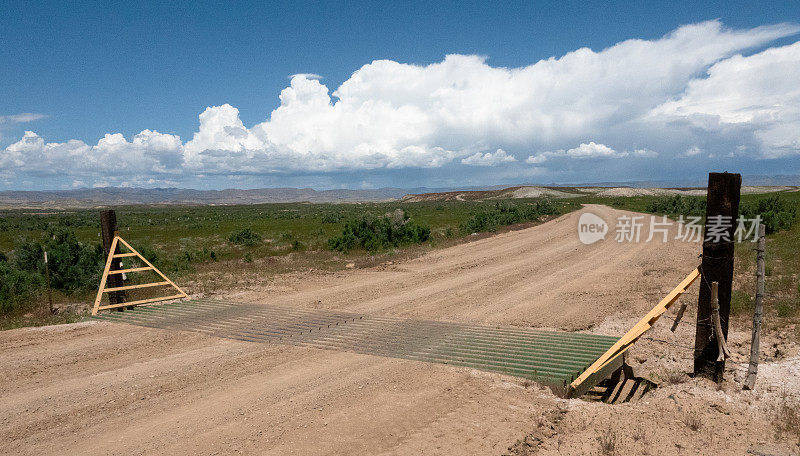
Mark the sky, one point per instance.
(214, 95)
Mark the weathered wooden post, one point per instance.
(49, 288)
(108, 228)
(722, 210)
(752, 369)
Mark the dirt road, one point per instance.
(104, 388)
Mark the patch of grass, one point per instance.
(741, 302)
(785, 309)
(608, 443)
(672, 376)
(692, 421)
(41, 318)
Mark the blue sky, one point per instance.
(73, 73)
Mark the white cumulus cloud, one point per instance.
(645, 153)
(391, 115)
(489, 158)
(693, 151)
(584, 151)
(759, 93)
(148, 152)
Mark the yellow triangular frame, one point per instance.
(133, 253)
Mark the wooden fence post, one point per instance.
(722, 210)
(49, 288)
(752, 369)
(108, 229)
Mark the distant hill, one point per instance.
(572, 192)
(117, 196)
(114, 196)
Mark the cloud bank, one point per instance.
(489, 159)
(625, 101)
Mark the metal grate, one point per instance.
(549, 357)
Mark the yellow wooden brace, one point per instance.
(626, 341)
(133, 253)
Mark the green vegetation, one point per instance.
(184, 241)
(677, 205)
(783, 263)
(741, 302)
(506, 213)
(74, 267)
(244, 237)
(776, 213)
(779, 214)
(380, 233)
(16, 287)
(189, 241)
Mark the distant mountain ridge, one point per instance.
(108, 196)
(121, 196)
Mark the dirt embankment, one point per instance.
(103, 388)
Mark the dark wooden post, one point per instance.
(108, 227)
(717, 266)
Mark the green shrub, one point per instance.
(17, 287)
(244, 237)
(676, 205)
(29, 256)
(776, 214)
(331, 217)
(379, 233)
(507, 213)
(150, 254)
(73, 266)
